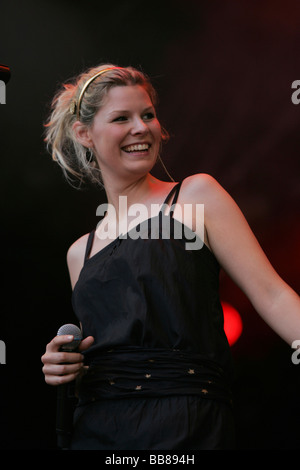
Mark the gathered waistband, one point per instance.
(139, 372)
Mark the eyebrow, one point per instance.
(124, 111)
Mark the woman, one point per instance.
(159, 365)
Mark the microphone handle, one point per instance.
(66, 402)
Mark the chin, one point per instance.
(142, 166)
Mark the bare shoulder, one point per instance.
(75, 258)
(201, 188)
(77, 249)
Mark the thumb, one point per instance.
(86, 343)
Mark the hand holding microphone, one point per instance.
(63, 362)
(60, 365)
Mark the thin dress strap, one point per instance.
(89, 244)
(175, 190)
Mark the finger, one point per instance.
(60, 379)
(86, 343)
(58, 341)
(62, 369)
(61, 358)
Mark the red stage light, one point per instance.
(233, 324)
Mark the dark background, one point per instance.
(224, 71)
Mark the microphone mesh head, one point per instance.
(70, 329)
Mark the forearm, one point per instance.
(282, 313)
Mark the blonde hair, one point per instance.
(59, 135)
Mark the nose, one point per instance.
(139, 127)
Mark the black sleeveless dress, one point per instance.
(160, 366)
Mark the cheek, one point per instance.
(108, 138)
(156, 131)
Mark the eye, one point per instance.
(148, 116)
(120, 119)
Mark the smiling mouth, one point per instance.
(136, 148)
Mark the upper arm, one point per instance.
(234, 244)
(75, 258)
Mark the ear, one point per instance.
(82, 134)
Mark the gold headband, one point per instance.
(75, 107)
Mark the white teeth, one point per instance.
(136, 147)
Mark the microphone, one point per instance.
(73, 330)
(66, 398)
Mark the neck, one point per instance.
(137, 191)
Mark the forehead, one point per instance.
(126, 97)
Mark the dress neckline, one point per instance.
(175, 189)
(125, 236)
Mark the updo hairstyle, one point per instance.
(65, 110)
